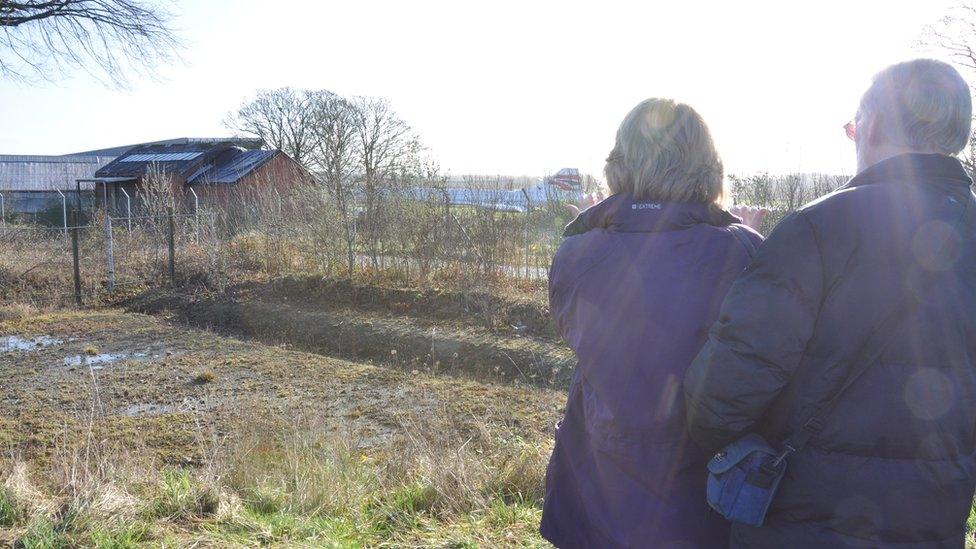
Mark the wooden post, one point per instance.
(172, 247)
(74, 259)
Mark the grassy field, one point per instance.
(121, 429)
(124, 430)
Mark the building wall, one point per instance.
(44, 207)
(31, 202)
(280, 173)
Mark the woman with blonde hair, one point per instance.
(633, 289)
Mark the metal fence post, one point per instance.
(109, 254)
(196, 215)
(172, 246)
(64, 213)
(3, 213)
(76, 268)
(128, 210)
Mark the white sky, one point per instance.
(511, 87)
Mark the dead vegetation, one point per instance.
(278, 448)
(126, 430)
(291, 486)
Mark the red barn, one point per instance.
(215, 169)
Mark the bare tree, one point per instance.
(792, 191)
(111, 39)
(385, 143)
(955, 35)
(336, 159)
(284, 118)
(825, 184)
(158, 191)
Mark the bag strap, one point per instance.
(869, 352)
(740, 232)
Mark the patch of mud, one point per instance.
(157, 406)
(14, 343)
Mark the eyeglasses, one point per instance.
(851, 129)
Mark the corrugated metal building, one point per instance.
(213, 167)
(30, 184)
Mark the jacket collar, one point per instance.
(912, 167)
(622, 213)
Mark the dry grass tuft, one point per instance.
(22, 498)
(15, 312)
(204, 377)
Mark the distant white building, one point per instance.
(30, 184)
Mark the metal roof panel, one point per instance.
(46, 173)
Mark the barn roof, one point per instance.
(47, 173)
(184, 158)
(245, 142)
(230, 166)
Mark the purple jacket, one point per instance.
(633, 290)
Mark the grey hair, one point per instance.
(924, 105)
(665, 152)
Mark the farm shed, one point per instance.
(30, 184)
(213, 168)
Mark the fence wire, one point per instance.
(393, 237)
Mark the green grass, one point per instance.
(123, 537)
(298, 489)
(42, 533)
(181, 497)
(10, 513)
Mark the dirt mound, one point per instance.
(499, 314)
(398, 342)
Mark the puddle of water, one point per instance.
(16, 343)
(148, 409)
(98, 361)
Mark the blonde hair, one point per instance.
(664, 152)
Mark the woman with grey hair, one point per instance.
(633, 289)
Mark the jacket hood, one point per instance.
(622, 213)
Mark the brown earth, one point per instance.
(176, 391)
(473, 335)
(503, 315)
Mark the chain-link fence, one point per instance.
(402, 241)
(401, 238)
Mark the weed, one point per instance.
(10, 511)
(204, 376)
(15, 312)
(126, 536)
(181, 497)
(42, 533)
(402, 508)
